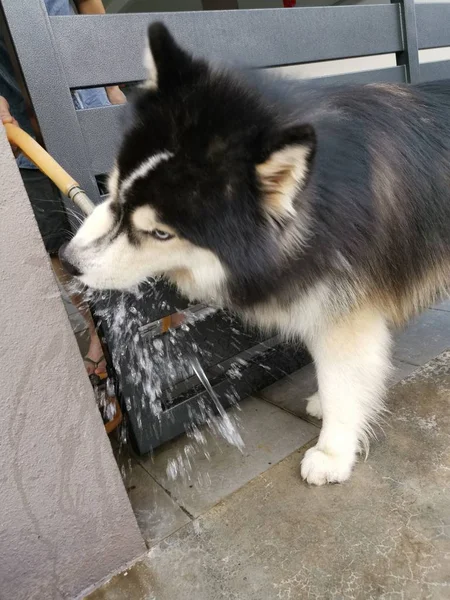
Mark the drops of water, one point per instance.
(148, 364)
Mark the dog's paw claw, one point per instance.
(318, 467)
(314, 406)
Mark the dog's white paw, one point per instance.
(319, 468)
(314, 406)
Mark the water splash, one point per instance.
(149, 366)
(224, 426)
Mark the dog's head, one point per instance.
(205, 186)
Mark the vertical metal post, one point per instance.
(409, 57)
(48, 88)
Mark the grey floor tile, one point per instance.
(156, 513)
(383, 534)
(269, 433)
(291, 392)
(71, 309)
(83, 338)
(443, 306)
(77, 322)
(400, 371)
(68, 304)
(424, 338)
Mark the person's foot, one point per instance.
(94, 360)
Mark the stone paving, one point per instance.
(255, 531)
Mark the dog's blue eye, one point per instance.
(161, 235)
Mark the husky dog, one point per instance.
(317, 211)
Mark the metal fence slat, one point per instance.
(433, 25)
(260, 38)
(433, 71)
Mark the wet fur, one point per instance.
(320, 212)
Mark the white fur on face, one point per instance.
(99, 223)
(108, 260)
(144, 169)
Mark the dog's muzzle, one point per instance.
(68, 266)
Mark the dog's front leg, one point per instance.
(352, 362)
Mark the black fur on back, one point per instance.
(377, 193)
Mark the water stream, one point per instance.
(148, 364)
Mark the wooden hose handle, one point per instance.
(48, 165)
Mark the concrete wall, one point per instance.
(65, 519)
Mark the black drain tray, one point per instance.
(237, 361)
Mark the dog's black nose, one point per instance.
(70, 268)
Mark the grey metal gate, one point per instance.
(59, 54)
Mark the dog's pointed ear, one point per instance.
(167, 64)
(285, 168)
